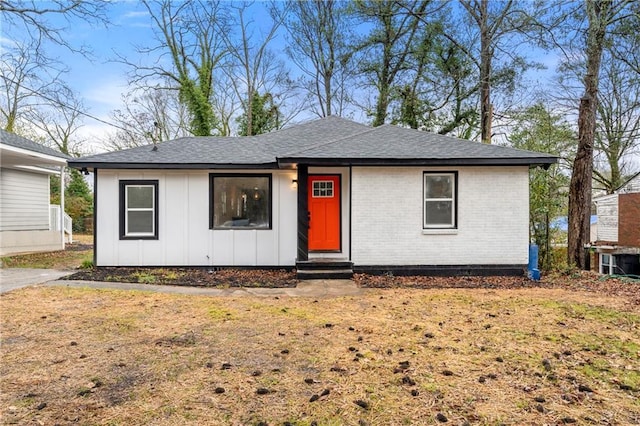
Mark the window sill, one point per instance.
(138, 237)
(239, 228)
(439, 231)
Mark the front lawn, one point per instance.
(76, 255)
(390, 357)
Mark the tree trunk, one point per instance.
(580, 187)
(485, 73)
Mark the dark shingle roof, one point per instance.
(11, 139)
(330, 140)
(393, 143)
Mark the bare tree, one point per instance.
(617, 124)
(30, 81)
(150, 115)
(496, 21)
(226, 103)
(188, 35)
(319, 45)
(254, 68)
(60, 122)
(33, 16)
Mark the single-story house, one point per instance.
(329, 193)
(28, 223)
(617, 244)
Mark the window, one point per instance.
(323, 189)
(607, 264)
(240, 201)
(139, 209)
(440, 200)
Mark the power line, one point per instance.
(65, 105)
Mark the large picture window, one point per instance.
(440, 200)
(240, 201)
(139, 209)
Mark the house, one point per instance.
(617, 244)
(28, 222)
(329, 193)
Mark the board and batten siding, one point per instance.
(607, 211)
(184, 237)
(387, 217)
(24, 200)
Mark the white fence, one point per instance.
(54, 222)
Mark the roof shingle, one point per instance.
(11, 139)
(330, 138)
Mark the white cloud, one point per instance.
(106, 95)
(135, 14)
(4, 41)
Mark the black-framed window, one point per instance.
(139, 209)
(440, 200)
(240, 201)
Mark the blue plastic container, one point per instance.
(532, 269)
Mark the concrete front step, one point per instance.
(327, 269)
(325, 274)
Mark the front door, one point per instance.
(324, 212)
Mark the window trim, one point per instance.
(454, 200)
(212, 177)
(320, 195)
(123, 209)
(610, 267)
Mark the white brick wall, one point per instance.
(493, 218)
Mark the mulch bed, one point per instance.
(193, 277)
(281, 278)
(577, 281)
(76, 246)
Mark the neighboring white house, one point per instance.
(28, 223)
(618, 236)
(375, 199)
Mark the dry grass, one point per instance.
(77, 253)
(390, 357)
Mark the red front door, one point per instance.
(324, 212)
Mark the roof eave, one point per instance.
(531, 162)
(168, 166)
(54, 160)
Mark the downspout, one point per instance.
(350, 209)
(95, 217)
(62, 205)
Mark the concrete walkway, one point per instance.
(14, 278)
(311, 288)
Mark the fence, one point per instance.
(54, 222)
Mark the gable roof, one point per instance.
(11, 139)
(631, 185)
(21, 153)
(330, 140)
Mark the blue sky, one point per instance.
(101, 80)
